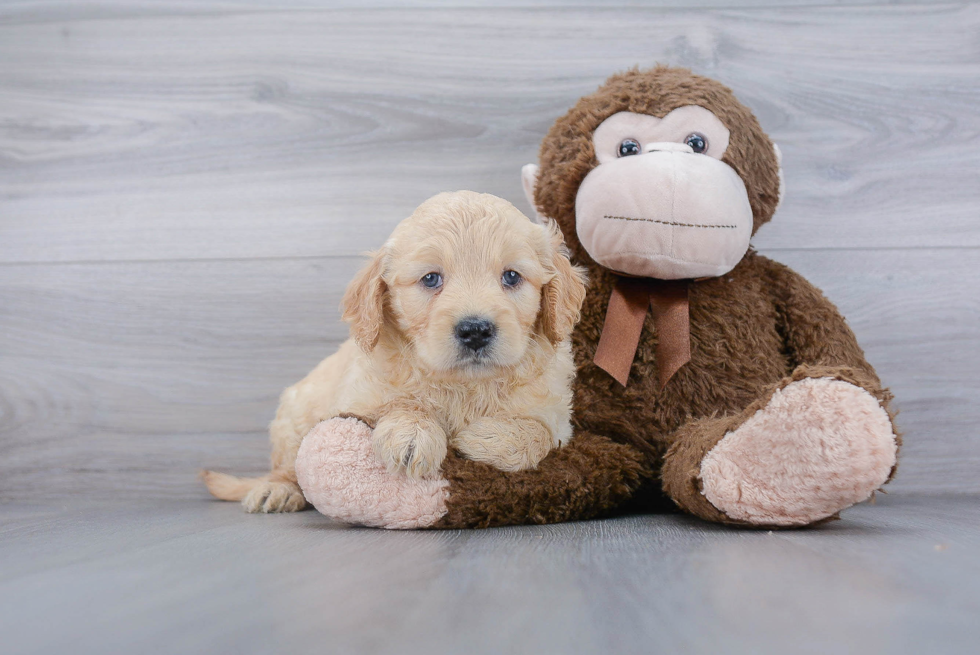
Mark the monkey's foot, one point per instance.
(342, 477)
(819, 446)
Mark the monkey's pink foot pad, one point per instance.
(341, 476)
(819, 446)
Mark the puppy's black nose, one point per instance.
(475, 333)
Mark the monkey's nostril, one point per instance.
(475, 333)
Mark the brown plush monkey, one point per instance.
(706, 372)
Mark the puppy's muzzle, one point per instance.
(474, 333)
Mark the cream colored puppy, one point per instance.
(460, 330)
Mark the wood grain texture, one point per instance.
(54, 10)
(166, 577)
(308, 133)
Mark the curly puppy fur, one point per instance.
(405, 368)
(753, 331)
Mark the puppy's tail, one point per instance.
(228, 487)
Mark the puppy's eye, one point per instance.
(698, 142)
(629, 147)
(510, 278)
(431, 280)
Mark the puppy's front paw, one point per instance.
(507, 444)
(407, 444)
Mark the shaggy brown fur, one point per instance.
(753, 331)
(571, 483)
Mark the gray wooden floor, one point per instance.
(202, 577)
(185, 188)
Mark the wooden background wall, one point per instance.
(185, 188)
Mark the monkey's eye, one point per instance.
(629, 147)
(431, 280)
(698, 142)
(510, 278)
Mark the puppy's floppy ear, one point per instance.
(363, 303)
(562, 295)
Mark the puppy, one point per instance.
(460, 330)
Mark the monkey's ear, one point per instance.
(529, 178)
(562, 296)
(363, 303)
(782, 180)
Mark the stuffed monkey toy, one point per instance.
(707, 373)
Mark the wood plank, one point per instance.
(147, 136)
(124, 378)
(17, 11)
(898, 577)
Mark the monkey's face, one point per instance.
(662, 203)
(659, 173)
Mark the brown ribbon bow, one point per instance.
(668, 300)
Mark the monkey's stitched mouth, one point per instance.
(673, 223)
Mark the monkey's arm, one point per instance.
(342, 477)
(589, 477)
(813, 329)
